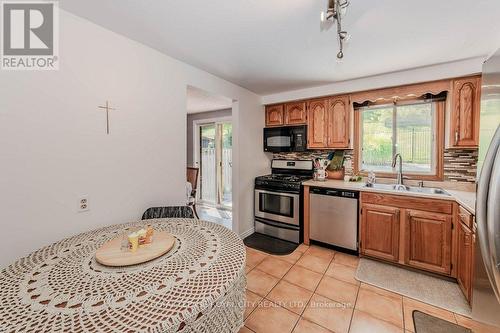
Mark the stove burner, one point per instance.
(284, 178)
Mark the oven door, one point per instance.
(277, 206)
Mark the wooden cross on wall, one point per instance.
(108, 108)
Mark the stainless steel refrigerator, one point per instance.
(486, 284)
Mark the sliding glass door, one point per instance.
(215, 158)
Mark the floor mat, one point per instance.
(425, 323)
(269, 244)
(425, 288)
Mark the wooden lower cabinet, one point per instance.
(380, 232)
(392, 229)
(464, 262)
(428, 241)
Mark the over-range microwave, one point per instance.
(285, 139)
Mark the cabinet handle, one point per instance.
(456, 136)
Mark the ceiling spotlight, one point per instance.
(344, 36)
(336, 10)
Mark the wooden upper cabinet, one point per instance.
(380, 231)
(464, 118)
(274, 115)
(328, 122)
(295, 113)
(338, 116)
(464, 262)
(428, 241)
(317, 123)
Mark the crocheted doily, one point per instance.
(198, 286)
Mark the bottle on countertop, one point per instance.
(371, 178)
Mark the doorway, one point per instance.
(210, 149)
(215, 147)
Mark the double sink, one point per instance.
(408, 189)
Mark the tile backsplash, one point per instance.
(459, 164)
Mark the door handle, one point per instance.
(493, 220)
(482, 218)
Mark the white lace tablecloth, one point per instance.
(199, 286)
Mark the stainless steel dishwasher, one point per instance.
(334, 217)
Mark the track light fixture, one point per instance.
(336, 10)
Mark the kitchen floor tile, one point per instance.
(274, 267)
(409, 305)
(328, 313)
(338, 291)
(381, 291)
(346, 259)
(251, 302)
(245, 329)
(382, 307)
(305, 326)
(313, 263)
(321, 252)
(475, 326)
(260, 283)
(303, 277)
(363, 322)
(289, 296)
(342, 272)
(302, 248)
(270, 318)
(291, 258)
(254, 257)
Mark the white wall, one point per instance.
(429, 73)
(54, 147)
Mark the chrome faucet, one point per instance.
(399, 185)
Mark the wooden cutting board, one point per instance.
(110, 254)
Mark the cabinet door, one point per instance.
(380, 232)
(465, 112)
(428, 241)
(317, 124)
(338, 122)
(295, 113)
(274, 115)
(464, 263)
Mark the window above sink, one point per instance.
(413, 128)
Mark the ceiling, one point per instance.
(275, 45)
(199, 100)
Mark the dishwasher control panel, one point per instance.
(335, 192)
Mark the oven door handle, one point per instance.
(285, 194)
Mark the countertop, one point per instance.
(465, 199)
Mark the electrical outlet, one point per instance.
(83, 203)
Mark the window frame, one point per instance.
(438, 148)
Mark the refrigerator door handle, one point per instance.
(493, 222)
(482, 209)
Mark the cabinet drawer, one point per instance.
(401, 201)
(465, 217)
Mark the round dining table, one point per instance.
(198, 286)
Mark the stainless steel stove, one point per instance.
(278, 199)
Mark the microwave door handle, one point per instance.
(481, 207)
(493, 223)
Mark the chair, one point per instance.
(168, 212)
(192, 177)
